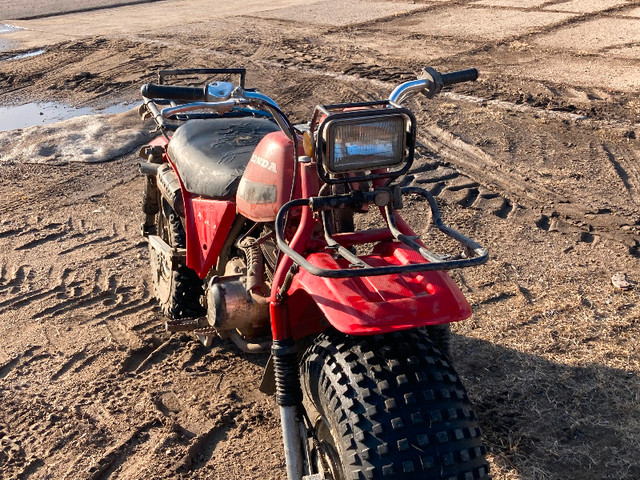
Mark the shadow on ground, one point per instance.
(546, 420)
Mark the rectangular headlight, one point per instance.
(367, 143)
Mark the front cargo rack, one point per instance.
(474, 254)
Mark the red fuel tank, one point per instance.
(266, 183)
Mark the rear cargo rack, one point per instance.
(186, 72)
(474, 254)
(155, 105)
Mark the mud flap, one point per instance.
(268, 381)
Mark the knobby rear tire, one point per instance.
(394, 407)
(178, 291)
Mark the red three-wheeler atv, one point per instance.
(289, 239)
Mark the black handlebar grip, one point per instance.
(171, 92)
(468, 75)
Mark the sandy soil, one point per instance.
(538, 160)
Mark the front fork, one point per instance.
(289, 397)
(284, 351)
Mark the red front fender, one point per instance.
(372, 305)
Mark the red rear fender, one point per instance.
(207, 224)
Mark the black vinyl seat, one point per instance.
(212, 154)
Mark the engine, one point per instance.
(237, 305)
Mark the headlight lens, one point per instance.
(365, 143)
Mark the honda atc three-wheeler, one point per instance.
(289, 239)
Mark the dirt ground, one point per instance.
(538, 161)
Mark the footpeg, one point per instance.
(185, 325)
(147, 229)
(205, 335)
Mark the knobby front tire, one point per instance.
(389, 406)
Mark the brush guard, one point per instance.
(473, 253)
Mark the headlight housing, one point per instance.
(364, 144)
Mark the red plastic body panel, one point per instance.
(159, 141)
(266, 183)
(381, 304)
(207, 225)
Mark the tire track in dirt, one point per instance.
(521, 197)
(19, 359)
(16, 279)
(18, 12)
(203, 446)
(148, 326)
(134, 358)
(155, 355)
(575, 18)
(34, 283)
(69, 363)
(132, 307)
(20, 298)
(10, 450)
(88, 243)
(39, 241)
(620, 171)
(118, 454)
(78, 300)
(80, 293)
(624, 163)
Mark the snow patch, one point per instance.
(6, 28)
(85, 139)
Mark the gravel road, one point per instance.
(10, 10)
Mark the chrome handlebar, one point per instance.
(431, 83)
(237, 98)
(222, 97)
(406, 90)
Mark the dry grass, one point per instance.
(550, 357)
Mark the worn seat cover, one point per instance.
(212, 154)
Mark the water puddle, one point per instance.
(30, 114)
(31, 53)
(117, 108)
(6, 28)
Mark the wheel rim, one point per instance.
(325, 455)
(162, 274)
